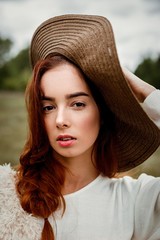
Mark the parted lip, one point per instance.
(65, 138)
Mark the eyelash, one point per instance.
(76, 105)
(79, 105)
(47, 109)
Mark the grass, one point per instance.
(13, 131)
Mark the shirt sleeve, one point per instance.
(147, 209)
(151, 106)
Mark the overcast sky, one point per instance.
(136, 23)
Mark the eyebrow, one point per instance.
(68, 96)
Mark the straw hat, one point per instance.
(88, 41)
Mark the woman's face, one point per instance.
(71, 115)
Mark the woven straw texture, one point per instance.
(88, 41)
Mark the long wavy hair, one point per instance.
(40, 177)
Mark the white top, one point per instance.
(112, 209)
(105, 209)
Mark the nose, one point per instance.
(62, 120)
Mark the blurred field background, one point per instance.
(13, 132)
(13, 126)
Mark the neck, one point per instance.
(79, 173)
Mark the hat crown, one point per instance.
(78, 35)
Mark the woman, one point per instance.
(85, 125)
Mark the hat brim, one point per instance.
(88, 41)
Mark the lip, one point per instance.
(65, 140)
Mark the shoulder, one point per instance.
(130, 187)
(146, 193)
(143, 183)
(6, 169)
(7, 176)
(15, 223)
(149, 190)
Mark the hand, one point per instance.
(139, 88)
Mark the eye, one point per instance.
(47, 108)
(79, 105)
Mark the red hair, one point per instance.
(40, 176)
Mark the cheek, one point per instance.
(91, 123)
(49, 125)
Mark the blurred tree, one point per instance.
(16, 72)
(149, 70)
(5, 46)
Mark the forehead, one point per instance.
(64, 78)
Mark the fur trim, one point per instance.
(15, 223)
